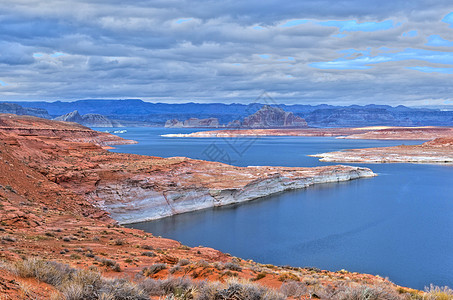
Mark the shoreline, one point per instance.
(177, 202)
(365, 133)
(438, 151)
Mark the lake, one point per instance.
(397, 225)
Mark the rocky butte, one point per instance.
(272, 117)
(90, 120)
(60, 188)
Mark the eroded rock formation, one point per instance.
(272, 117)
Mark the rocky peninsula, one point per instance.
(437, 151)
(366, 133)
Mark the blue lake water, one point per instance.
(397, 225)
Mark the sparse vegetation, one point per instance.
(149, 253)
(79, 284)
(8, 238)
(118, 242)
(183, 262)
(368, 293)
(153, 269)
(233, 266)
(184, 288)
(259, 276)
(10, 188)
(109, 263)
(439, 293)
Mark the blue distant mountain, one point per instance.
(138, 112)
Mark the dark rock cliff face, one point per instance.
(12, 108)
(273, 117)
(90, 120)
(209, 122)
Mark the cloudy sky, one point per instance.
(312, 51)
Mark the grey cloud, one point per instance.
(119, 49)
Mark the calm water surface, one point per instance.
(398, 225)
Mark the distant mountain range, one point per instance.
(134, 112)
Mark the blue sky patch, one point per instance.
(448, 19)
(352, 25)
(438, 41)
(180, 21)
(411, 33)
(57, 54)
(265, 56)
(2, 83)
(37, 55)
(364, 60)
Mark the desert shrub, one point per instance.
(109, 263)
(149, 253)
(184, 288)
(10, 188)
(122, 289)
(174, 269)
(8, 238)
(118, 242)
(202, 263)
(153, 269)
(232, 266)
(293, 289)
(47, 271)
(243, 290)
(288, 276)
(78, 284)
(439, 293)
(368, 293)
(183, 262)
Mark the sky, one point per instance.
(306, 52)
